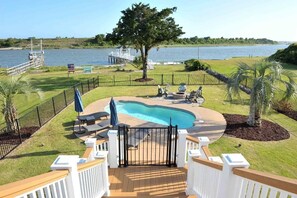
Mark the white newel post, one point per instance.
(113, 148)
(191, 173)
(203, 141)
(228, 186)
(69, 162)
(103, 155)
(182, 141)
(91, 143)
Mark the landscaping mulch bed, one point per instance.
(269, 131)
(14, 138)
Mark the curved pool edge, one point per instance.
(162, 106)
(214, 122)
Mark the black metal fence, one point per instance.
(36, 118)
(158, 79)
(142, 146)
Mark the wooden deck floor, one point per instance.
(148, 181)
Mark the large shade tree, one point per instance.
(143, 28)
(267, 79)
(9, 88)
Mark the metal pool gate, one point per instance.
(147, 146)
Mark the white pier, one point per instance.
(121, 55)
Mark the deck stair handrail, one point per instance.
(71, 176)
(233, 179)
(22, 68)
(53, 182)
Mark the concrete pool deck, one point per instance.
(208, 122)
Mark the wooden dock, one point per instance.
(22, 68)
(116, 58)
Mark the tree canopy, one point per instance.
(265, 81)
(143, 27)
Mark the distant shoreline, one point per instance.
(11, 48)
(161, 46)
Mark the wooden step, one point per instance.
(140, 194)
(123, 194)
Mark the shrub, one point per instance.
(195, 64)
(288, 55)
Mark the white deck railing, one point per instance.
(253, 183)
(73, 177)
(233, 179)
(92, 180)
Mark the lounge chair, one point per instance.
(162, 91)
(97, 127)
(96, 116)
(182, 88)
(135, 139)
(196, 96)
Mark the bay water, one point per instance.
(62, 57)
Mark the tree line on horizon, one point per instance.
(100, 41)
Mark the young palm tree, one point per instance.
(266, 80)
(9, 88)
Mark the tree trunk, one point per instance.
(144, 64)
(10, 116)
(254, 118)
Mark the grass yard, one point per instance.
(37, 154)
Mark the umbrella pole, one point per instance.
(78, 121)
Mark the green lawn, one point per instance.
(36, 155)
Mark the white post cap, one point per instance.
(194, 153)
(81, 160)
(101, 154)
(235, 160)
(215, 159)
(64, 162)
(203, 139)
(110, 132)
(182, 131)
(90, 142)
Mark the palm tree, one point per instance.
(9, 88)
(266, 80)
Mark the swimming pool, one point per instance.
(157, 114)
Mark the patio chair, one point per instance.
(96, 116)
(196, 96)
(135, 139)
(97, 127)
(162, 91)
(182, 88)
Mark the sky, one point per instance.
(272, 19)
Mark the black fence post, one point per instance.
(19, 130)
(66, 98)
(88, 85)
(172, 79)
(38, 115)
(204, 79)
(113, 80)
(54, 107)
(162, 79)
(93, 83)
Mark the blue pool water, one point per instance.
(156, 114)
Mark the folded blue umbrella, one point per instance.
(113, 113)
(78, 105)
